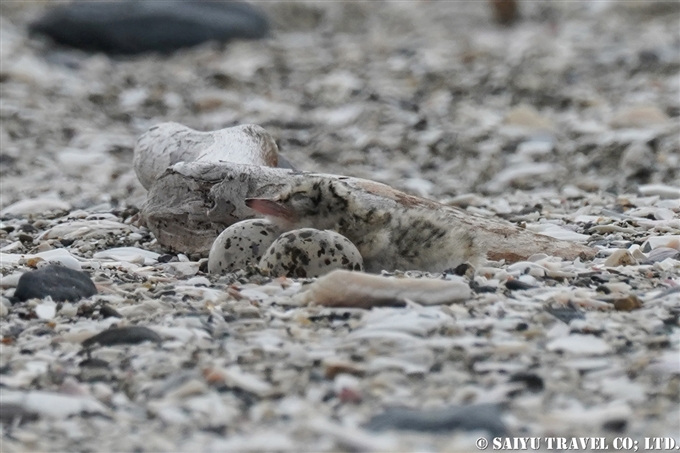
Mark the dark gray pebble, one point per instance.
(94, 363)
(10, 413)
(476, 287)
(138, 26)
(533, 381)
(107, 312)
(59, 282)
(469, 418)
(123, 335)
(515, 285)
(661, 253)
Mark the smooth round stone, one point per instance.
(138, 26)
(58, 282)
(240, 245)
(309, 252)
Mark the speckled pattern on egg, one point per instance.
(309, 252)
(241, 244)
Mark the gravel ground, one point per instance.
(566, 123)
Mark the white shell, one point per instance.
(241, 244)
(309, 252)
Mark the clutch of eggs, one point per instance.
(302, 253)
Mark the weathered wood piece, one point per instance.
(169, 143)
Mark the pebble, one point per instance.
(133, 27)
(505, 12)
(87, 229)
(527, 117)
(46, 310)
(58, 282)
(663, 190)
(563, 234)
(517, 285)
(480, 417)
(638, 157)
(240, 245)
(578, 344)
(61, 256)
(520, 174)
(34, 206)
(355, 289)
(308, 252)
(11, 413)
(123, 335)
(628, 303)
(128, 254)
(11, 280)
(662, 253)
(351, 438)
(668, 241)
(620, 258)
(52, 404)
(640, 116)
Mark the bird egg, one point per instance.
(240, 245)
(309, 252)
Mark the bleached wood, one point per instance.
(169, 143)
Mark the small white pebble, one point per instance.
(68, 310)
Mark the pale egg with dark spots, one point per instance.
(309, 252)
(240, 245)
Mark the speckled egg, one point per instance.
(241, 244)
(308, 252)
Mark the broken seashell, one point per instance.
(343, 288)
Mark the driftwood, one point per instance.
(169, 143)
(199, 181)
(191, 203)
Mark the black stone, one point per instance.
(59, 282)
(123, 335)
(533, 381)
(139, 26)
(10, 413)
(468, 418)
(477, 288)
(603, 289)
(616, 425)
(166, 258)
(461, 269)
(108, 312)
(28, 228)
(514, 285)
(94, 363)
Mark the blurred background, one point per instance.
(437, 98)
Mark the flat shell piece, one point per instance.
(356, 289)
